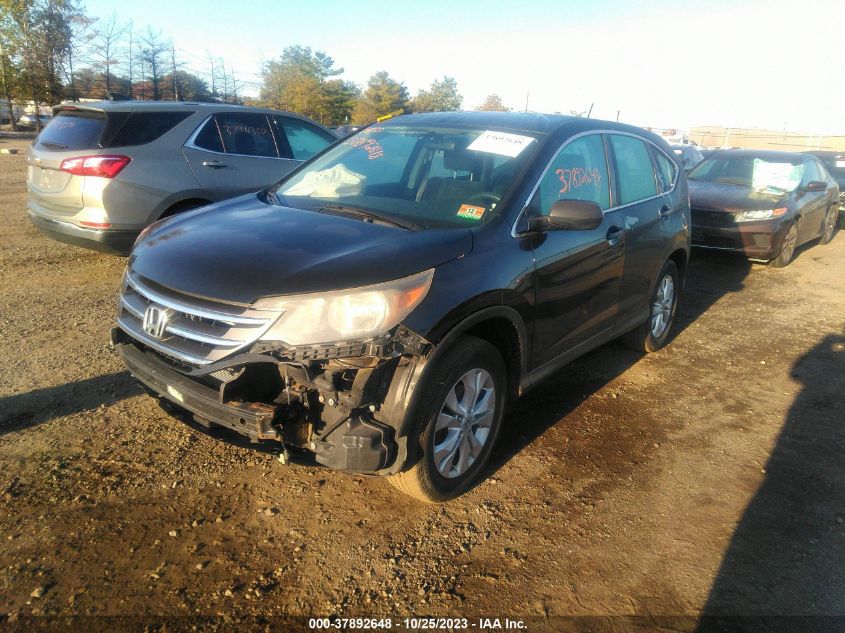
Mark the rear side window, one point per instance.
(304, 140)
(247, 135)
(145, 127)
(73, 129)
(209, 137)
(633, 166)
(667, 171)
(578, 172)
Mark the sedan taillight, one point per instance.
(107, 166)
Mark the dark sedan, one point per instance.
(762, 203)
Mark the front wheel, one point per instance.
(456, 422)
(654, 333)
(830, 222)
(787, 248)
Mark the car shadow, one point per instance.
(24, 410)
(783, 569)
(710, 276)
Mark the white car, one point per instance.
(28, 120)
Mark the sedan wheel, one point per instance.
(830, 222)
(787, 249)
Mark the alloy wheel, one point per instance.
(464, 423)
(661, 309)
(830, 224)
(790, 240)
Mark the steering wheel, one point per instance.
(478, 198)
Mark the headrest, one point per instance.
(458, 160)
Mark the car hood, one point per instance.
(726, 197)
(244, 249)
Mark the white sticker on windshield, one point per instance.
(500, 143)
(785, 176)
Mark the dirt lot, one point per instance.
(708, 478)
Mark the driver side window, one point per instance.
(811, 172)
(578, 172)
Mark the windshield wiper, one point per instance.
(776, 188)
(371, 216)
(52, 145)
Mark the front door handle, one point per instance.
(214, 164)
(615, 234)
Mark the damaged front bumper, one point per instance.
(348, 412)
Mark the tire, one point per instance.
(787, 248)
(437, 423)
(831, 220)
(182, 207)
(653, 334)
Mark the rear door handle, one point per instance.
(664, 211)
(615, 234)
(214, 164)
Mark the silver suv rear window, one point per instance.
(73, 129)
(86, 129)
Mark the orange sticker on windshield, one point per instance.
(471, 211)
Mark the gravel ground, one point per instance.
(627, 492)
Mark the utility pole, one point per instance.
(173, 77)
(526, 100)
(131, 91)
(223, 71)
(617, 115)
(213, 84)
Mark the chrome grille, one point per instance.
(197, 332)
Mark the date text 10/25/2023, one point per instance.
(417, 624)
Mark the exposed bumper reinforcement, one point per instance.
(252, 419)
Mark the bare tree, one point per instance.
(108, 40)
(153, 53)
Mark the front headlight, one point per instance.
(759, 214)
(344, 315)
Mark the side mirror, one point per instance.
(816, 185)
(571, 215)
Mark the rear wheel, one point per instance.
(787, 248)
(181, 207)
(830, 222)
(654, 333)
(456, 422)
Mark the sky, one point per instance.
(767, 64)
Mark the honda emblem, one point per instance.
(155, 321)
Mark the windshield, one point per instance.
(428, 176)
(758, 173)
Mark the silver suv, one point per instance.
(100, 172)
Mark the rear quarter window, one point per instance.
(70, 130)
(634, 169)
(145, 127)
